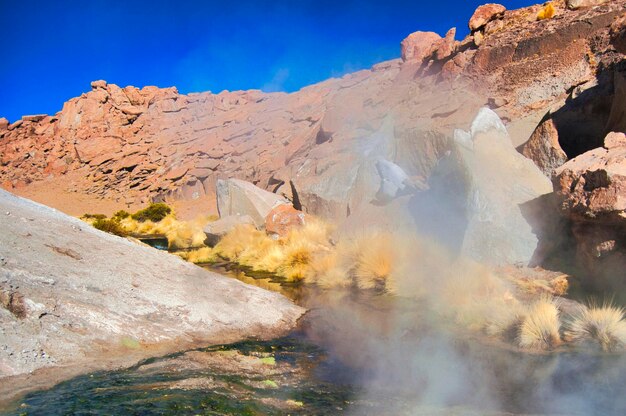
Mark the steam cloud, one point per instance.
(409, 354)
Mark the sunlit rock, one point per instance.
(237, 197)
(483, 197)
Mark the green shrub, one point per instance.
(155, 213)
(94, 216)
(121, 214)
(109, 226)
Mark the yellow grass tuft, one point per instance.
(240, 238)
(298, 256)
(559, 285)
(315, 232)
(540, 327)
(271, 260)
(327, 271)
(374, 258)
(200, 255)
(179, 234)
(477, 298)
(604, 324)
(547, 12)
(532, 286)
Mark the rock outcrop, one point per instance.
(74, 299)
(120, 148)
(480, 196)
(591, 190)
(484, 14)
(544, 149)
(579, 4)
(115, 148)
(237, 197)
(592, 186)
(618, 34)
(282, 219)
(418, 46)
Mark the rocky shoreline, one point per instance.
(75, 299)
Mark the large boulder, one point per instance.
(74, 299)
(544, 149)
(237, 197)
(418, 46)
(591, 190)
(592, 187)
(483, 197)
(484, 14)
(215, 230)
(282, 219)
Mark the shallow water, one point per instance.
(158, 242)
(353, 354)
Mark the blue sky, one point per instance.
(51, 51)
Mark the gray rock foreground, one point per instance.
(74, 299)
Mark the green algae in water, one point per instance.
(268, 361)
(157, 390)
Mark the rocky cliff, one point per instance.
(129, 145)
(554, 75)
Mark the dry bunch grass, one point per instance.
(605, 325)
(540, 327)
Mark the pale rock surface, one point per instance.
(237, 197)
(215, 230)
(578, 4)
(75, 299)
(393, 180)
(478, 196)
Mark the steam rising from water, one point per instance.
(422, 346)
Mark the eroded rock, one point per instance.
(237, 197)
(484, 14)
(480, 197)
(591, 190)
(544, 149)
(579, 4)
(618, 34)
(282, 219)
(418, 45)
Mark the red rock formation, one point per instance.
(282, 219)
(544, 149)
(484, 14)
(592, 186)
(618, 34)
(418, 46)
(115, 147)
(591, 189)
